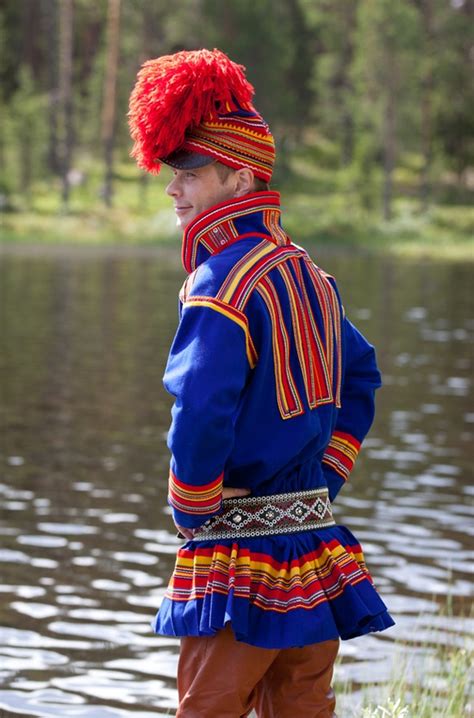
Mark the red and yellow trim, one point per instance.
(332, 318)
(288, 398)
(196, 500)
(215, 229)
(255, 259)
(341, 453)
(313, 578)
(317, 377)
(237, 142)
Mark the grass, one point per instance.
(431, 678)
(321, 205)
(441, 692)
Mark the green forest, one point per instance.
(371, 103)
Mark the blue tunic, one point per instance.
(274, 392)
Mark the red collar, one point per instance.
(256, 214)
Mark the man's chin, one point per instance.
(182, 220)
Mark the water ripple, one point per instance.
(35, 610)
(43, 541)
(67, 529)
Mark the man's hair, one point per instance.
(259, 185)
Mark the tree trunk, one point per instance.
(346, 89)
(388, 153)
(31, 47)
(26, 152)
(65, 93)
(50, 28)
(426, 105)
(389, 127)
(110, 92)
(300, 71)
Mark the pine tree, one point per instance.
(110, 93)
(385, 58)
(65, 94)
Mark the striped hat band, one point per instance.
(237, 140)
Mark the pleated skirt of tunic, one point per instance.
(276, 591)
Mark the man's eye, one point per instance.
(190, 174)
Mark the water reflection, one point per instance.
(87, 543)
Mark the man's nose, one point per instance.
(173, 187)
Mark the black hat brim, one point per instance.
(185, 160)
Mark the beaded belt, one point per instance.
(269, 515)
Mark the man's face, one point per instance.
(194, 191)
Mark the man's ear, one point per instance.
(244, 181)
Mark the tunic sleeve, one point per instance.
(360, 380)
(209, 363)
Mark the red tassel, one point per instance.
(175, 93)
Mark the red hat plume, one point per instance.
(176, 93)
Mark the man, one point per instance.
(274, 392)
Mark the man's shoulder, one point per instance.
(212, 276)
(231, 276)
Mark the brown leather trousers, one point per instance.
(219, 677)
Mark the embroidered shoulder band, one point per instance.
(269, 515)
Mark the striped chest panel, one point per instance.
(306, 349)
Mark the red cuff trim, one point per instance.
(341, 453)
(189, 499)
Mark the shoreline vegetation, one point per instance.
(322, 207)
(439, 687)
(431, 676)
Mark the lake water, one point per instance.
(87, 543)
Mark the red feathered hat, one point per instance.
(194, 107)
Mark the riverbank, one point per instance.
(321, 208)
(435, 238)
